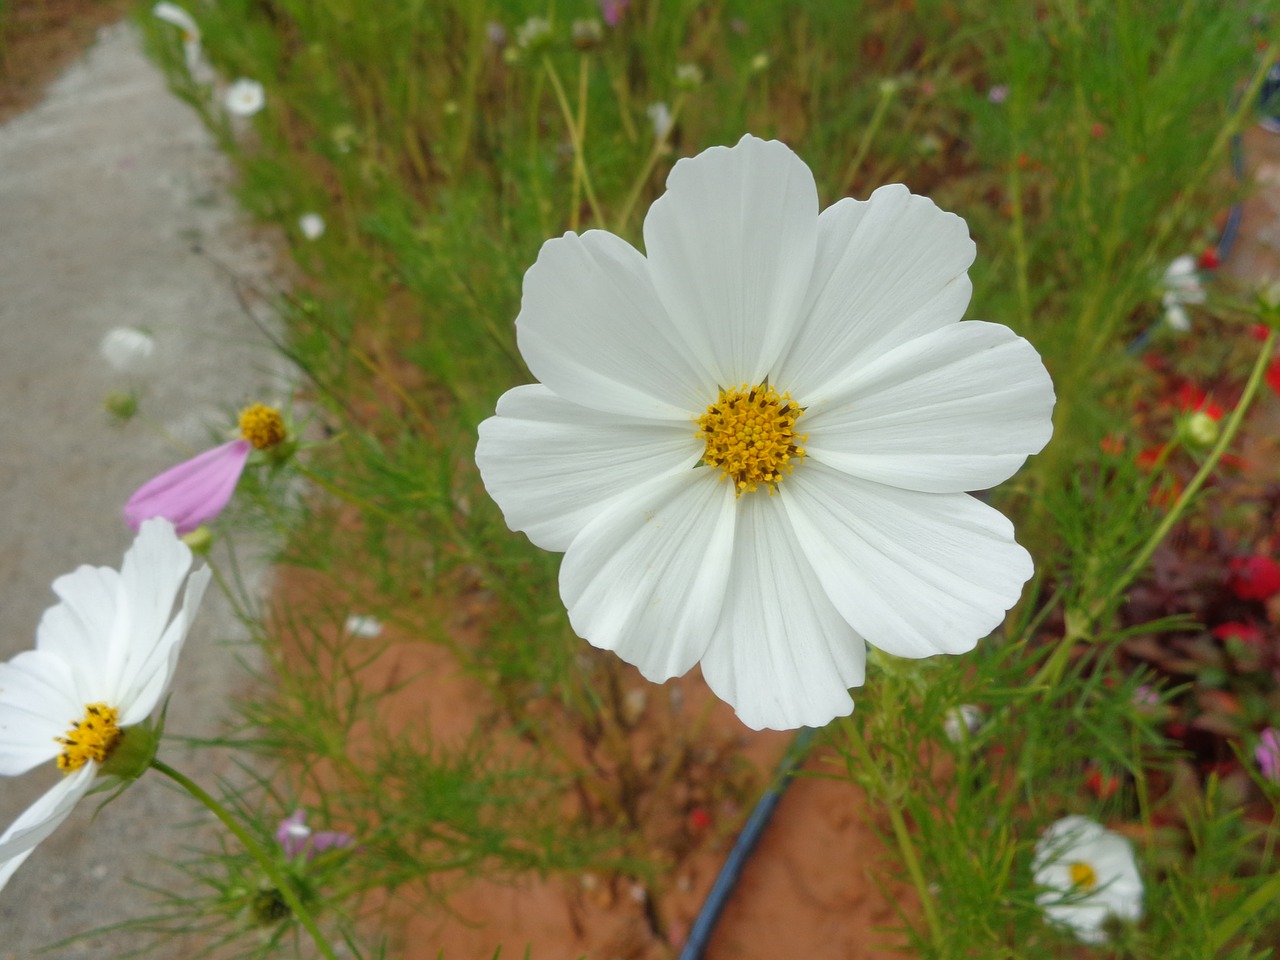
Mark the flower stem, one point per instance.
(1051, 672)
(890, 798)
(575, 136)
(255, 850)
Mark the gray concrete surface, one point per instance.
(104, 188)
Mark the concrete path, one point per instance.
(104, 189)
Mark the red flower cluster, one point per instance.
(1254, 578)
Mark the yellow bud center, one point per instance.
(92, 738)
(262, 426)
(751, 436)
(1083, 876)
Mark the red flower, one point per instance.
(699, 819)
(1149, 457)
(1192, 399)
(1254, 578)
(1112, 444)
(1209, 259)
(1273, 375)
(1102, 785)
(1246, 633)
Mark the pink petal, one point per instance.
(193, 492)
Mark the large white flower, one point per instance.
(1089, 873)
(752, 442)
(103, 660)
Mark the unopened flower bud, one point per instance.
(587, 34)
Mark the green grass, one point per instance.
(441, 161)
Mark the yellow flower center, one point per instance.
(1083, 876)
(262, 426)
(92, 738)
(751, 436)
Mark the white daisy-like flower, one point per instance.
(245, 97)
(1089, 873)
(103, 660)
(1181, 285)
(752, 441)
(311, 226)
(128, 349)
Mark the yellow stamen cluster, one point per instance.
(751, 436)
(262, 426)
(92, 738)
(1083, 876)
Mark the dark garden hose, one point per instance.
(727, 879)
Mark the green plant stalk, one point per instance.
(1256, 901)
(579, 158)
(254, 849)
(650, 162)
(1051, 672)
(888, 90)
(901, 835)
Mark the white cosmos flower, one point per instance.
(245, 97)
(311, 226)
(1089, 873)
(128, 349)
(847, 522)
(103, 660)
(1181, 285)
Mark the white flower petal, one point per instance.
(915, 573)
(36, 705)
(957, 409)
(88, 630)
(888, 269)
(592, 329)
(148, 679)
(174, 14)
(153, 571)
(646, 577)
(731, 246)
(781, 655)
(551, 464)
(41, 819)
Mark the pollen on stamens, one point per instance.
(1083, 876)
(92, 738)
(750, 435)
(262, 426)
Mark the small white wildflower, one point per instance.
(1181, 285)
(245, 97)
(533, 32)
(311, 225)
(128, 349)
(688, 76)
(660, 117)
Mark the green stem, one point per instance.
(901, 834)
(254, 849)
(579, 158)
(1229, 432)
(1256, 901)
(888, 90)
(1051, 672)
(659, 145)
